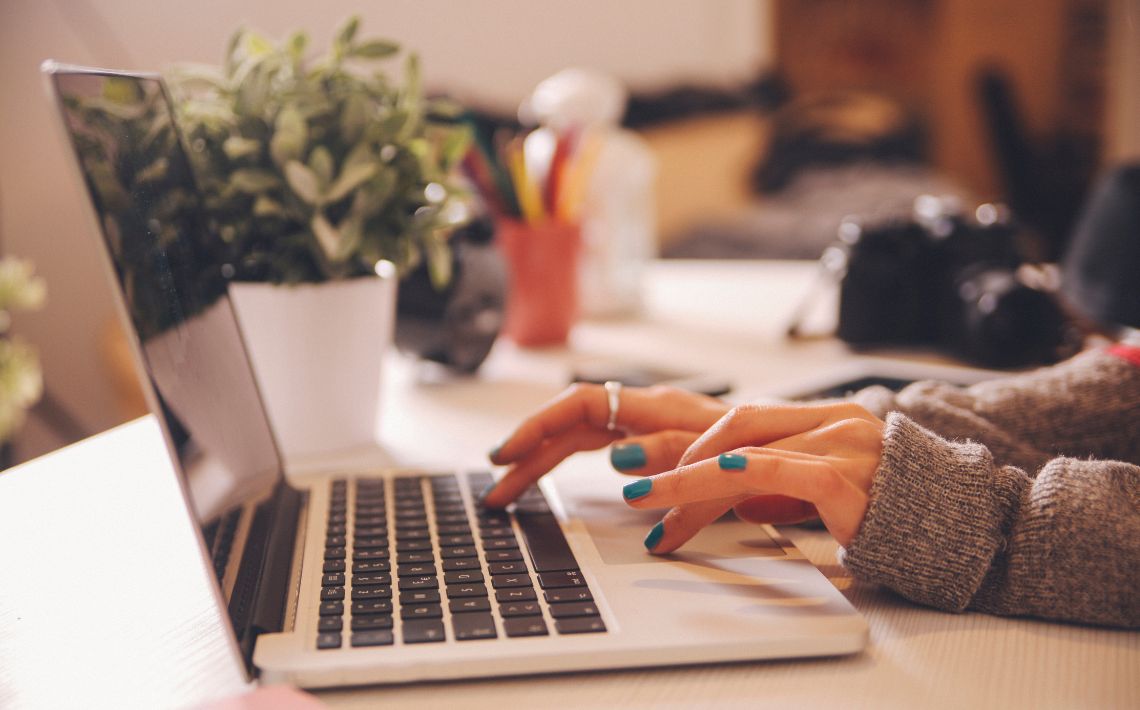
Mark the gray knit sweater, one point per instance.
(1018, 496)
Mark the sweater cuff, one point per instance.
(932, 525)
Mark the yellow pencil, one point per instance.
(530, 199)
(577, 177)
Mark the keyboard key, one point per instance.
(361, 639)
(421, 611)
(502, 555)
(413, 558)
(580, 625)
(419, 596)
(334, 566)
(451, 519)
(334, 553)
(371, 623)
(555, 580)
(568, 594)
(369, 544)
(469, 627)
(335, 541)
(549, 551)
(488, 518)
(371, 580)
(370, 567)
(500, 543)
(420, 569)
(520, 609)
(454, 529)
(370, 532)
(337, 529)
(422, 631)
(413, 524)
(525, 626)
(372, 607)
(335, 579)
(413, 545)
(516, 594)
(332, 608)
(462, 577)
(425, 582)
(330, 639)
(456, 591)
(364, 593)
(332, 594)
(502, 581)
(468, 604)
(571, 609)
(378, 554)
(453, 552)
(463, 563)
(330, 623)
(456, 540)
(496, 531)
(506, 567)
(414, 534)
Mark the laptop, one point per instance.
(392, 575)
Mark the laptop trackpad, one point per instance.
(618, 532)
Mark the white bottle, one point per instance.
(617, 213)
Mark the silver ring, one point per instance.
(613, 400)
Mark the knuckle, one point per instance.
(676, 443)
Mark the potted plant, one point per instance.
(324, 178)
(21, 380)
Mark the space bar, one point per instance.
(546, 543)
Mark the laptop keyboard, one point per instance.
(404, 564)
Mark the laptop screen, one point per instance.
(172, 276)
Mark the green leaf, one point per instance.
(374, 49)
(303, 182)
(328, 238)
(289, 136)
(353, 116)
(237, 147)
(351, 234)
(321, 163)
(349, 179)
(256, 45)
(348, 31)
(253, 181)
(267, 207)
(296, 44)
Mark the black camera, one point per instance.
(945, 280)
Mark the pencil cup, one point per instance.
(542, 266)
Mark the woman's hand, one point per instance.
(663, 421)
(772, 463)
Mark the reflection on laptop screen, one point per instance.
(171, 271)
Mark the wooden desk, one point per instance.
(75, 628)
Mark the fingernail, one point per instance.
(627, 456)
(486, 491)
(732, 462)
(495, 452)
(637, 489)
(654, 535)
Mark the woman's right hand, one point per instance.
(655, 425)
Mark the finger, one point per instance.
(549, 454)
(683, 522)
(742, 473)
(775, 509)
(760, 425)
(639, 410)
(651, 453)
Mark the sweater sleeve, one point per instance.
(948, 527)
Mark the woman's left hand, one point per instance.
(773, 463)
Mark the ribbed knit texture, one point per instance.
(1018, 496)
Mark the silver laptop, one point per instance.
(396, 575)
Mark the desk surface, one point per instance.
(726, 319)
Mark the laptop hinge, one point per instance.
(273, 592)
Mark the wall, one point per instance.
(489, 50)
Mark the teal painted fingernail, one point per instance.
(637, 489)
(627, 456)
(654, 536)
(732, 462)
(486, 492)
(495, 452)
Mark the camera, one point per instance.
(946, 280)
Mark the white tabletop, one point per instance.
(108, 639)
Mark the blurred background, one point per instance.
(769, 120)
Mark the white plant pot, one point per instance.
(318, 352)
